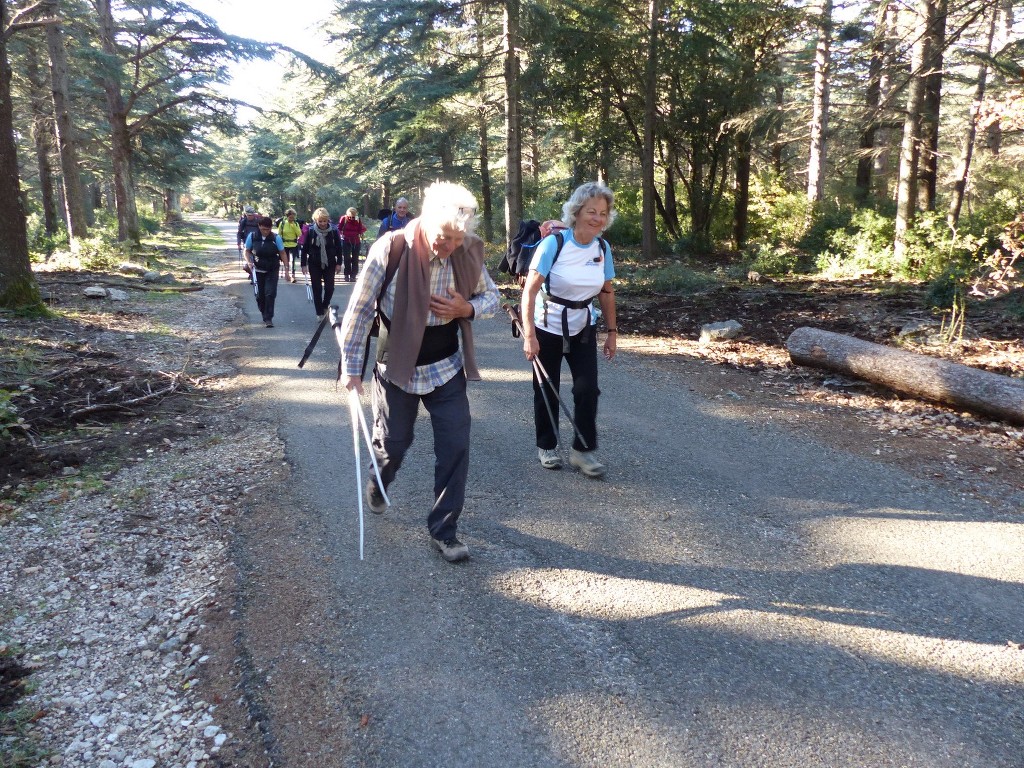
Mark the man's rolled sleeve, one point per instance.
(355, 328)
(485, 298)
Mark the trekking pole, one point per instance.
(255, 285)
(353, 404)
(542, 374)
(312, 342)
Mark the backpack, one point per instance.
(516, 260)
(397, 250)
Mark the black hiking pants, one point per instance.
(582, 359)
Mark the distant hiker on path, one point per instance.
(351, 230)
(397, 219)
(569, 270)
(264, 252)
(439, 287)
(290, 230)
(249, 224)
(321, 259)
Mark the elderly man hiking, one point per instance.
(432, 283)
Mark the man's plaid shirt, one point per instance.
(359, 318)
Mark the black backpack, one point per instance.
(516, 260)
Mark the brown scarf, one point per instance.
(412, 303)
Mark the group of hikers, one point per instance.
(324, 251)
(425, 283)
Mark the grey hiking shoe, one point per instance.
(374, 498)
(549, 458)
(451, 549)
(586, 463)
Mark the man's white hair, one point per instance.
(448, 206)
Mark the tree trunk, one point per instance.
(741, 191)
(513, 135)
(67, 144)
(120, 136)
(872, 99)
(42, 135)
(956, 200)
(906, 195)
(929, 378)
(485, 175)
(819, 119)
(929, 170)
(18, 288)
(172, 205)
(649, 242)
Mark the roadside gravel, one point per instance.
(110, 580)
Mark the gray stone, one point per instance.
(115, 294)
(730, 329)
(95, 292)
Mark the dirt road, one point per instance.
(733, 593)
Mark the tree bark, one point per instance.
(929, 167)
(929, 378)
(42, 135)
(956, 200)
(18, 287)
(906, 194)
(120, 136)
(649, 236)
(742, 191)
(513, 134)
(819, 119)
(67, 144)
(872, 100)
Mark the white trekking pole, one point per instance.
(353, 407)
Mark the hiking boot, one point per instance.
(269, 323)
(374, 498)
(549, 458)
(451, 549)
(586, 463)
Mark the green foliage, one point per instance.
(673, 277)
(934, 250)
(775, 261)
(778, 217)
(9, 418)
(852, 241)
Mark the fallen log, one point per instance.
(930, 378)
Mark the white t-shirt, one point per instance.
(577, 275)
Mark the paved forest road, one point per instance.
(731, 595)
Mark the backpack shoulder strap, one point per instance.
(394, 259)
(560, 239)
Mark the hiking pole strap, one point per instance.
(314, 340)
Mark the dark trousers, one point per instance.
(293, 253)
(350, 257)
(266, 293)
(322, 280)
(582, 359)
(394, 417)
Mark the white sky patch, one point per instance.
(296, 23)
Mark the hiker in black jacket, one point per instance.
(249, 224)
(321, 259)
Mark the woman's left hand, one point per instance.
(610, 345)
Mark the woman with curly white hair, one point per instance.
(568, 271)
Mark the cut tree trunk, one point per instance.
(930, 378)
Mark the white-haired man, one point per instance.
(436, 286)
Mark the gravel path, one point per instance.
(733, 594)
